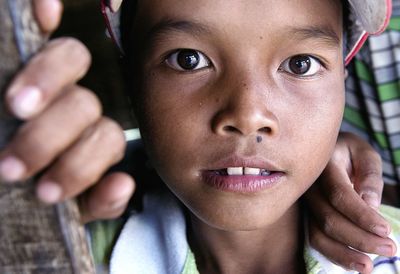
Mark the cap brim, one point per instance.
(373, 14)
(366, 17)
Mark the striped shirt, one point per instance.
(373, 96)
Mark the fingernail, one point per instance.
(49, 192)
(385, 250)
(357, 267)
(371, 199)
(381, 230)
(25, 103)
(11, 169)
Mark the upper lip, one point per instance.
(239, 161)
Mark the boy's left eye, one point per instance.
(301, 65)
(187, 60)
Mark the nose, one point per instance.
(246, 112)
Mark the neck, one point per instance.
(277, 248)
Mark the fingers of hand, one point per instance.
(38, 142)
(338, 252)
(341, 195)
(48, 14)
(61, 63)
(83, 163)
(346, 231)
(107, 199)
(366, 171)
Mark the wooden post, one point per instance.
(34, 238)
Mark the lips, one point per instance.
(243, 175)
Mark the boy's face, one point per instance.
(259, 85)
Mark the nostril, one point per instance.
(265, 130)
(230, 129)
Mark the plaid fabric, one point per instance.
(373, 96)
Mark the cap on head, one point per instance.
(366, 17)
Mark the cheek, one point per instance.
(171, 127)
(316, 123)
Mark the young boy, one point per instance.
(239, 105)
(56, 77)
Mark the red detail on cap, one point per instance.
(356, 48)
(387, 19)
(110, 30)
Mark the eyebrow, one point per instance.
(323, 33)
(166, 26)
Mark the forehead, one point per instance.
(256, 14)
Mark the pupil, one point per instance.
(300, 64)
(188, 59)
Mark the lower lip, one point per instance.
(242, 183)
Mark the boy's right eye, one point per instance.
(187, 60)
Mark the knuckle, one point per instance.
(362, 218)
(360, 245)
(74, 47)
(113, 136)
(73, 176)
(374, 155)
(85, 103)
(329, 224)
(78, 54)
(371, 173)
(29, 141)
(336, 197)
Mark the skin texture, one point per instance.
(54, 72)
(196, 119)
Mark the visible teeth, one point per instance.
(235, 170)
(251, 171)
(247, 171)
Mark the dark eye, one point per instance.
(187, 59)
(302, 65)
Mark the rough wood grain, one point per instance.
(33, 238)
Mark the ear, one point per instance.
(346, 73)
(115, 5)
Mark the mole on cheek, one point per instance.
(259, 139)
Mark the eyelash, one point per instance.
(172, 60)
(284, 66)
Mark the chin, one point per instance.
(239, 219)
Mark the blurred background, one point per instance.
(83, 19)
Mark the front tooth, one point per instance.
(235, 170)
(251, 171)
